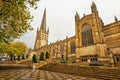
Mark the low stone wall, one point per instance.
(13, 66)
(86, 71)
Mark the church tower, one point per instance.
(42, 34)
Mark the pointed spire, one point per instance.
(116, 19)
(77, 16)
(94, 8)
(43, 24)
(93, 4)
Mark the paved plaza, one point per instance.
(28, 74)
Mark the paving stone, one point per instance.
(69, 79)
(42, 79)
(37, 75)
(50, 77)
(12, 79)
(2, 78)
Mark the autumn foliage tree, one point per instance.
(13, 49)
(20, 46)
(15, 18)
(3, 47)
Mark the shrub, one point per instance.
(70, 61)
(34, 59)
(63, 61)
(42, 56)
(47, 55)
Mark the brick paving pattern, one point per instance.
(28, 74)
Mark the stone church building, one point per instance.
(93, 41)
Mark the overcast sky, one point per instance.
(60, 16)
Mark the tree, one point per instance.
(12, 51)
(47, 55)
(20, 46)
(42, 56)
(34, 59)
(15, 18)
(3, 47)
(14, 48)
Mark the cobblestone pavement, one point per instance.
(27, 74)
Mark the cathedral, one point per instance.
(93, 41)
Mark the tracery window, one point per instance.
(53, 52)
(87, 37)
(62, 48)
(73, 46)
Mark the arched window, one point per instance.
(73, 46)
(62, 48)
(53, 52)
(87, 37)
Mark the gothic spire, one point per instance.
(93, 4)
(116, 19)
(43, 24)
(77, 16)
(94, 8)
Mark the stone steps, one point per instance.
(94, 72)
(13, 66)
